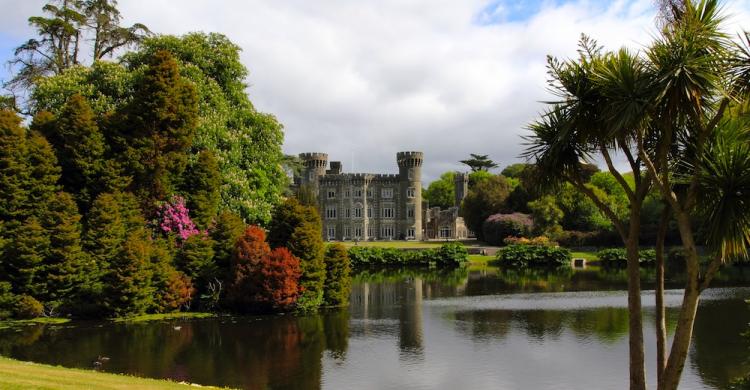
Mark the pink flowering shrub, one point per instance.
(174, 217)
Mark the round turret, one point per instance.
(315, 166)
(409, 159)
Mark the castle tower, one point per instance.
(462, 187)
(315, 167)
(410, 194)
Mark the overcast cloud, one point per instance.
(362, 80)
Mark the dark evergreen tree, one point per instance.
(156, 129)
(24, 257)
(202, 184)
(14, 172)
(285, 218)
(65, 267)
(196, 259)
(127, 285)
(44, 172)
(338, 279)
(227, 229)
(479, 162)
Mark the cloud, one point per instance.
(364, 80)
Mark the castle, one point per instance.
(363, 206)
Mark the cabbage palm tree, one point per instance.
(665, 112)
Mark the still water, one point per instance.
(412, 329)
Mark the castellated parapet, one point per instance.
(365, 206)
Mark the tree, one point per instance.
(287, 216)
(203, 188)
(442, 192)
(127, 285)
(196, 260)
(80, 149)
(514, 171)
(24, 257)
(156, 128)
(665, 112)
(14, 171)
(277, 280)
(61, 35)
(546, 215)
(306, 243)
(250, 250)
(484, 199)
(479, 162)
(338, 280)
(226, 231)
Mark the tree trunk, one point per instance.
(661, 324)
(637, 361)
(684, 331)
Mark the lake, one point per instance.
(412, 329)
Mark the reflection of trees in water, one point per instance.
(723, 355)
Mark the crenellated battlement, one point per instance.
(409, 159)
(314, 159)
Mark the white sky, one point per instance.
(362, 80)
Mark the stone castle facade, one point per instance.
(363, 206)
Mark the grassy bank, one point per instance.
(33, 321)
(16, 375)
(164, 316)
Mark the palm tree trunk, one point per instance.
(683, 333)
(635, 319)
(661, 325)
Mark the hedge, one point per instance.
(534, 256)
(618, 257)
(448, 254)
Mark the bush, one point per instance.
(618, 257)
(277, 278)
(540, 240)
(534, 256)
(500, 226)
(28, 307)
(449, 254)
(7, 300)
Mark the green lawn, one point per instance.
(17, 375)
(589, 256)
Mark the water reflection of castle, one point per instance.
(373, 304)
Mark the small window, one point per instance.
(411, 192)
(358, 193)
(369, 193)
(347, 232)
(386, 193)
(331, 194)
(410, 211)
(411, 174)
(370, 231)
(369, 212)
(358, 212)
(331, 232)
(410, 233)
(347, 193)
(330, 212)
(348, 213)
(357, 231)
(387, 212)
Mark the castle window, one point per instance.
(331, 232)
(387, 212)
(370, 231)
(331, 194)
(387, 231)
(330, 212)
(357, 211)
(410, 211)
(358, 193)
(358, 231)
(347, 232)
(386, 193)
(411, 192)
(369, 212)
(411, 174)
(369, 193)
(348, 213)
(410, 233)
(347, 193)
(445, 232)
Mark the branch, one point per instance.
(653, 173)
(599, 204)
(692, 193)
(713, 267)
(616, 173)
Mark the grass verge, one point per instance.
(17, 375)
(33, 321)
(164, 316)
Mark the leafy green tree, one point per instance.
(287, 216)
(442, 192)
(247, 142)
(306, 243)
(546, 215)
(338, 279)
(579, 212)
(514, 171)
(156, 128)
(485, 198)
(203, 187)
(479, 162)
(478, 176)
